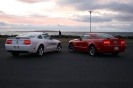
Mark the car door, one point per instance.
(83, 43)
(50, 44)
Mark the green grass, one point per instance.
(3, 39)
(67, 39)
(128, 40)
(64, 39)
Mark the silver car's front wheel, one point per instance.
(59, 48)
(40, 51)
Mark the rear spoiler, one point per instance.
(115, 38)
(18, 38)
(118, 37)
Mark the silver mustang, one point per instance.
(32, 42)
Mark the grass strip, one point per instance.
(68, 39)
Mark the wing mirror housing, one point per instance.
(51, 38)
(80, 38)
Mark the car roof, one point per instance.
(30, 34)
(94, 33)
(34, 33)
(37, 32)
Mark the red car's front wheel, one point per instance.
(92, 50)
(71, 48)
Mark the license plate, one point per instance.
(15, 47)
(116, 48)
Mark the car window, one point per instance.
(45, 36)
(93, 37)
(39, 37)
(30, 35)
(102, 35)
(85, 37)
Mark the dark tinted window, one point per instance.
(30, 35)
(93, 37)
(39, 37)
(102, 35)
(86, 37)
(46, 36)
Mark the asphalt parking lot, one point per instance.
(66, 70)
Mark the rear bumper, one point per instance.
(18, 51)
(111, 49)
(21, 49)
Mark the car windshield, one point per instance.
(30, 35)
(102, 35)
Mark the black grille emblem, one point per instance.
(115, 42)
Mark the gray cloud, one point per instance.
(103, 18)
(1, 13)
(86, 18)
(100, 28)
(3, 24)
(124, 17)
(124, 12)
(32, 1)
(95, 5)
(34, 15)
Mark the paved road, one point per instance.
(66, 70)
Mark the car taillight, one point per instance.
(27, 42)
(8, 41)
(106, 42)
(122, 42)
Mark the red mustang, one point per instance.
(95, 43)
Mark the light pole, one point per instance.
(90, 20)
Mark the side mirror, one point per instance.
(80, 38)
(51, 38)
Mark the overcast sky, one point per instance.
(66, 15)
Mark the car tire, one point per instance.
(92, 50)
(59, 48)
(71, 47)
(15, 53)
(40, 51)
(115, 54)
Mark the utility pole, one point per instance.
(90, 20)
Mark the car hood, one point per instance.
(56, 40)
(74, 40)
